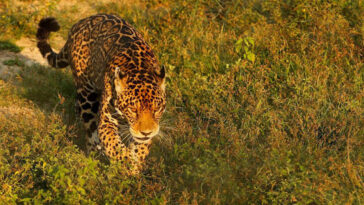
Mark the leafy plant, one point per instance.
(245, 47)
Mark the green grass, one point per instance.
(13, 62)
(265, 106)
(7, 45)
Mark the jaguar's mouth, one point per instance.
(142, 138)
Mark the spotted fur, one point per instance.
(119, 82)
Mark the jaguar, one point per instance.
(120, 85)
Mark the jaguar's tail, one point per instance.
(45, 27)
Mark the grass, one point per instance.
(265, 106)
(7, 45)
(13, 62)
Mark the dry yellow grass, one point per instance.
(265, 106)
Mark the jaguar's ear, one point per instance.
(161, 74)
(120, 80)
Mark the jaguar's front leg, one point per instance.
(114, 148)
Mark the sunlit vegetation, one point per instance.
(265, 106)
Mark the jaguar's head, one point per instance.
(141, 99)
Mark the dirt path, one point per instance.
(28, 56)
